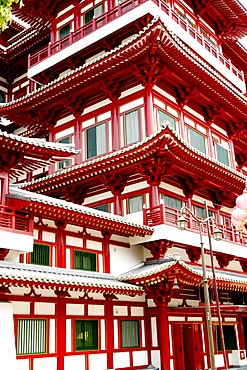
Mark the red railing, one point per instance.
(166, 215)
(123, 8)
(13, 221)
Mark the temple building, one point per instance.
(121, 120)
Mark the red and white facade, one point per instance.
(121, 113)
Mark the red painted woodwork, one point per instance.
(106, 251)
(178, 346)
(109, 319)
(61, 332)
(115, 125)
(149, 109)
(61, 244)
(118, 11)
(14, 222)
(163, 337)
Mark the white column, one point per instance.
(7, 337)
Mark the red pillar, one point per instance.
(115, 125)
(149, 109)
(61, 332)
(109, 330)
(163, 338)
(61, 244)
(117, 205)
(154, 196)
(106, 251)
(78, 143)
(182, 126)
(4, 187)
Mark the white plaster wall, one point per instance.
(154, 332)
(97, 361)
(121, 359)
(52, 336)
(143, 333)
(155, 358)
(103, 334)
(115, 325)
(74, 362)
(93, 244)
(74, 309)
(120, 311)
(75, 242)
(45, 363)
(122, 259)
(96, 310)
(43, 308)
(22, 364)
(137, 311)
(140, 358)
(68, 335)
(21, 308)
(48, 237)
(7, 337)
(16, 241)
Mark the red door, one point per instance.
(187, 347)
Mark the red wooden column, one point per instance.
(61, 244)
(109, 329)
(106, 250)
(78, 139)
(4, 186)
(61, 331)
(115, 124)
(163, 337)
(115, 183)
(149, 109)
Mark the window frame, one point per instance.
(189, 128)
(126, 143)
(31, 334)
(94, 127)
(137, 334)
(167, 114)
(96, 322)
(67, 162)
(92, 9)
(63, 27)
(37, 243)
(81, 252)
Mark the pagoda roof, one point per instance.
(68, 212)
(62, 280)
(151, 272)
(22, 154)
(86, 80)
(178, 155)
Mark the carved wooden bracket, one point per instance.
(32, 292)
(190, 185)
(112, 89)
(184, 93)
(211, 112)
(62, 293)
(243, 264)
(223, 259)
(115, 182)
(160, 293)
(194, 254)
(158, 248)
(75, 194)
(154, 170)
(85, 296)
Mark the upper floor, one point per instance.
(107, 24)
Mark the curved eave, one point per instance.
(86, 219)
(186, 274)
(177, 152)
(176, 55)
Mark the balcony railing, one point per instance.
(14, 222)
(165, 215)
(123, 8)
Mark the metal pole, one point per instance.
(207, 304)
(216, 290)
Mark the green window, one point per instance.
(222, 155)
(201, 213)
(135, 204)
(130, 333)
(31, 336)
(95, 12)
(84, 260)
(40, 255)
(96, 140)
(197, 140)
(132, 127)
(229, 337)
(64, 31)
(163, 116)
(66, 162)
(86, 335)
(173, 202)
(102, 207)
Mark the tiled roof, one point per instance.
(179, 151)
(18, 274)
(75, 211)
(29, 143)
(146, 270)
